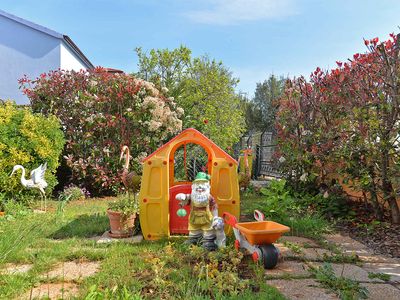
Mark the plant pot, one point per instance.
(2, 213)
(120, 227)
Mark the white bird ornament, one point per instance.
(37, 181)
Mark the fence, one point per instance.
(263, 146)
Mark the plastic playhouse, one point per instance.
(157, 202)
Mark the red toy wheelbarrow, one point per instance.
(257, 237)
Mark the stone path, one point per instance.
(106, 238)
(72, 270)
(52, 291)
(292, 276)
(61, 281)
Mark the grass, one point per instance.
(381, 276)
(166, 269)
(309, 225)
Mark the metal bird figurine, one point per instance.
(37, 181)
(131, 180)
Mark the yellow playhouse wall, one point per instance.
(153, 199)
(225, 187)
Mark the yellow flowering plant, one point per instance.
(27, 139)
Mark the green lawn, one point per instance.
(166, 269)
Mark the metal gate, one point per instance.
(265, 164)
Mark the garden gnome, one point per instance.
(203, 211)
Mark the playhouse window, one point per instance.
(189, 159)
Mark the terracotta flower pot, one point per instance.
(120, 227)
(2, 213)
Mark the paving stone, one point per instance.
(350, 271)
(311, 254)
(106, 238)
(301, 241)
(12, 269)
(351, 246)
(288, 268)
(345, 242)
(391, 269)
(284, 251)
(374, 258)
(52, 291)
(316, 253)
(381, 291)
(302, 289)
(73, 270)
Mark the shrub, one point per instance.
(99, 113)
(73, 193)
(27, 139)
(344, 124)
(278, 202)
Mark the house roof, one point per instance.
(187, 136)
(52, 33)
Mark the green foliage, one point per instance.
(381, 276)
(101, 112)
(73, 193)
(125, 205)
(345, 288)
(117, 293)
(332, 206)
(203, 87)
(216, 268)
(278, 203)
(266, 103)
(27, 139)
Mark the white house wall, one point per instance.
(24, 50)
(69, 60)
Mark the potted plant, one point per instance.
(122, 214)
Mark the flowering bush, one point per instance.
(29, 140)
(346, 121)
(99, 113)
(72, 193)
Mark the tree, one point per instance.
(202, 86)
(266, 102)
(165, 68)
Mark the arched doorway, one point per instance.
(188, 159)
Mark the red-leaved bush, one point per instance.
(99, 113)
(347, 121)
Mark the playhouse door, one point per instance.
(178, 225)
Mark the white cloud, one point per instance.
(227, 12)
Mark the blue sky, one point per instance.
(254, 38)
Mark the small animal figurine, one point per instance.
(218, 225)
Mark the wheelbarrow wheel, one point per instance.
(270, 256)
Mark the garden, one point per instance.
(95, 142)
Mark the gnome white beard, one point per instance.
(200, 194)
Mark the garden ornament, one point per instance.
(131, 180)
(203, 212)
(218, 226)
(37, 181)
